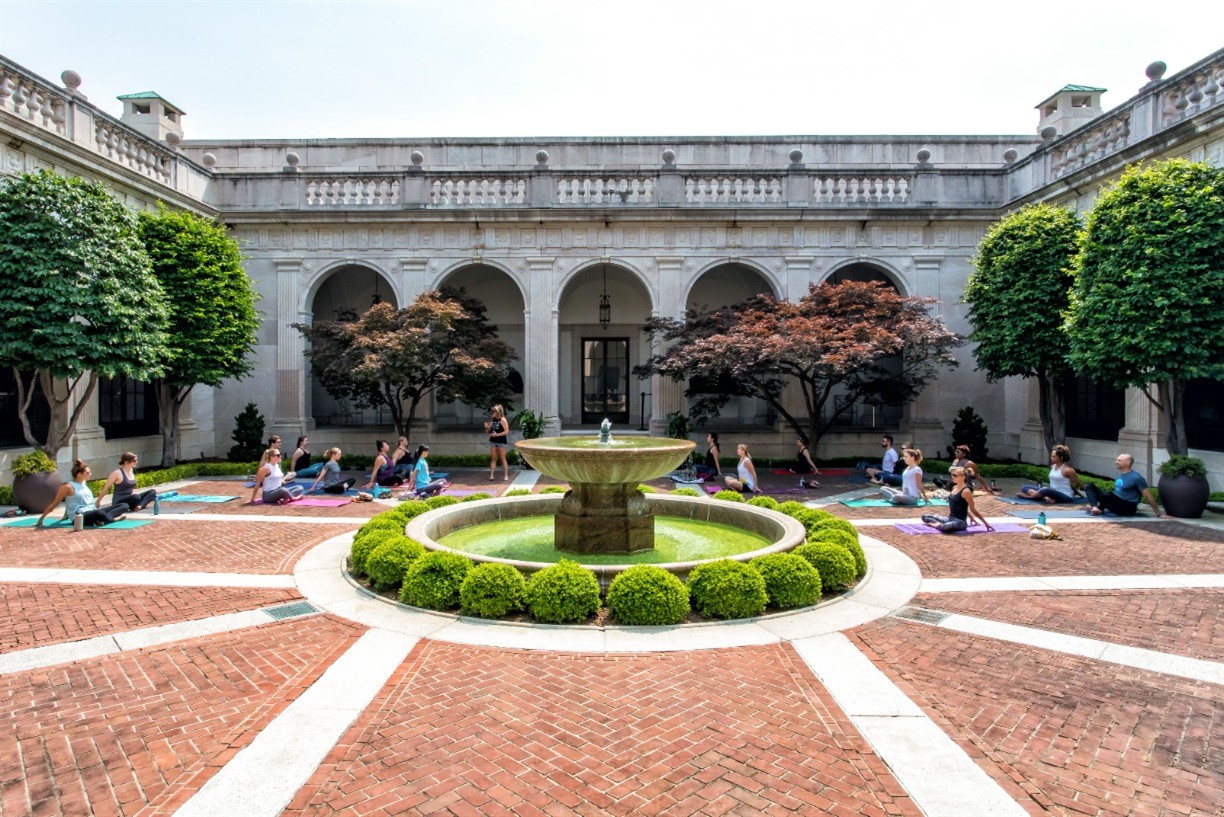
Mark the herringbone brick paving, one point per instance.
(463, 730)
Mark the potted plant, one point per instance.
(531, 425)
(35, 481)
(1183, 486)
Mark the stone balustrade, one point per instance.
(580, 190)
(24, 96)
(733, 190)
(351, 192)
(145, 156)
(860, 190)
(1194, 92)
(1087, 146)
(477, 192)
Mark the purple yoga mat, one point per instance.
(314, 502)
(999, 527)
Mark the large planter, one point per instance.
(35, 492)
(1184, 496)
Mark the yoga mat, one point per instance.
(788, 472)
(884, 503)
(31, 521)
(787, 491)
(1030, 503)
(311, 502)
(859, 478)
(196, 498)
(462, 492)
(1057, 512)
(1002, 527)
(713, 489)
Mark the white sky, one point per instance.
(265, 68)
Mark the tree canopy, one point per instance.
(1145, 307)
(78, 298)
(837, 339)
(1017, 295)
(441, 345)
(211, 303)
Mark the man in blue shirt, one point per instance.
(1129, 488)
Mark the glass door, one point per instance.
(605, 380)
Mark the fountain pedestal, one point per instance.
(604, 518)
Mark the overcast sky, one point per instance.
(265, 68)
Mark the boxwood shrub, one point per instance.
(764, 502)
(790, 507)
(491, 590)
(648, 595)
(441, 501)
(790, 580)
(433, 581)
(833, 561)
(730, 496)
(727, 589)
(554, 489)
(408, 509)
(369, 537)
(476, 497)
(685, 491)
(647, 489)
(849, 541)
(563, 593)
(517, 492)
(387, 563)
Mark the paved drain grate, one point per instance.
(297, 608)
(921, 614)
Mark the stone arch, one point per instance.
(622, 265)
(738, 274)
(867, 269)
(386, 283)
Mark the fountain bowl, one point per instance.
(589, 461)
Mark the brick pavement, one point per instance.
(138, 732)
(35, 615)
(1084, 738)
(467, 731)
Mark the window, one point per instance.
(11, 435)
(127, 408)
(138, 108)
(1095, 410)
(1204, 408)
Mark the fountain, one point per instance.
(604, 512)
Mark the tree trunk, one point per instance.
(1053, 409)
(62, 422)
(1172, 401)
(169, 402)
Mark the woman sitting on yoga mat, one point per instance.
(911, 482)
(745, 479)
(123, 480)
(79, 501)
(1064, 482)
(271, 479)
(383, 472)
(423, 485)
(329, 474)
(960, 505)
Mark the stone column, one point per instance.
(1139, 437)
(925, 428)
(413, 279)
(796, 277)
(290, 417)
(667, 395)
(541, 325)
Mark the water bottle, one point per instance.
(1041, 518)
(78, 522)
(156, 506)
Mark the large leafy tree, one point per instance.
(1146, 308)
(440, 345)
(1017, 294)
(78, 299)
(211, 302)
(837, 339)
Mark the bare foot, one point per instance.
(1095, 511)
(1049, 500)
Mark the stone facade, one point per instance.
(539, 229)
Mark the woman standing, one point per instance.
(960, 505)
(123, 481)
(79, 501)
(746, 483)
(1064, 482)
(329, 474)
(499, 437)
(271, 480)
(911, 482)
(422, 484)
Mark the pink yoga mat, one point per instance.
(1000, 527)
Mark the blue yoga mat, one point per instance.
(197, 498)
(1032, 503)
(884, 503)
(32, 521)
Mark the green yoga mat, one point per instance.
(884, 503)
(31, 521)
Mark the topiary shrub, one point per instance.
(476, 497)
(387, 563)
(727, 589)
(685, 492)
(730, 496)
(813, 519)
(554, 489)
(490, 590)
(518, 492)
(408, 509)
(790, 580)
(833, 561)
(648, 595)
(764, 502)
(433, 581)
(440, 501)
(849, 541)
(830, 522)
(566, 592)
(643, 488)
(790, 507)
(367, 538)
(248, 435)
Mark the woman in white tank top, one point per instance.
(1064, 482)
(911, 482)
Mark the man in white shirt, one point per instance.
(884, 475)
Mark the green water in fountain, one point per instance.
(530, 539)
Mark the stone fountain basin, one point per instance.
(622, 460)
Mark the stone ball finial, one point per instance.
(417, 157)
(292, 159)
(1155, 71)
(71, 80)
(1010, 155)
(209, 160)
(541, 157)
(173, 139)
(796, 156)
(669, 157)
(1049, 132)
(924, 156)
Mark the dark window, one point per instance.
(127, 408)
(1204, 407)
(1095, 410)
(10, 424)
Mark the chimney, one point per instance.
(1071, 107)
(153, 116)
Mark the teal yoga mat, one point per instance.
(31, 521)
(884, 503)
(198, 498)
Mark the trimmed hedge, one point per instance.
(476, 497)
(564, 593)
(849, 542)
(790, 580)
(730, 496)
(369, 536)
(387, 563)
(435, 502)
(790, 507)
(648, 595)
(434, 580)
(491, 590)
(554, 489)
(833, 561)
(727, 589)
(764, 502)
(518, 492)
(685, 491)
(407, 510)
(647, 489)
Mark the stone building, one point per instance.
(541, 229)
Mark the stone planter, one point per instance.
(1184, 496)
(35, 492)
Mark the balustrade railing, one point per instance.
(477, 191)
(1100, 141)
(860, 189)
(133, 150)
(733, 190)
(1192, 94)
(31, 100)
(351, 192)
(605, 190)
